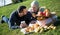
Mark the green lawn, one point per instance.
(53, 5)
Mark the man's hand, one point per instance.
(23, 25)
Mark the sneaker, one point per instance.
(1, 19)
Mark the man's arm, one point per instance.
(13, 19)
(29, 18)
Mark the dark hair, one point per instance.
(20, 9)
(42, 9)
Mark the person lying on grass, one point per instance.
(34, 8)
(17, 16)
(46, 19)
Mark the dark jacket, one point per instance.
(14, 18)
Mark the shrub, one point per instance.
(17, 1)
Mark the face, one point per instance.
(20, 14)
(24, 12)
(34, 8)
(46, 10)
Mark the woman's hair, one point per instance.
(42, 9)
(48, 9)
(35, 3)
(20, 9)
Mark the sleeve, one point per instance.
(29, 18)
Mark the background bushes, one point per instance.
(17, 1)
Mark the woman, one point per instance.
(34, 8)
(46, 17)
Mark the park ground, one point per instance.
(53, 5)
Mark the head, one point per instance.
(22, 11)
(42, 9)
(35, 6)
(47, 11)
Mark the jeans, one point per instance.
(5, 19)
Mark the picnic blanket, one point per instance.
(39, 26)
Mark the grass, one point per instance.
(53, 5)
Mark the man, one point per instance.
(17, 16)
(34, 8)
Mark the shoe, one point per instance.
(1, 19)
